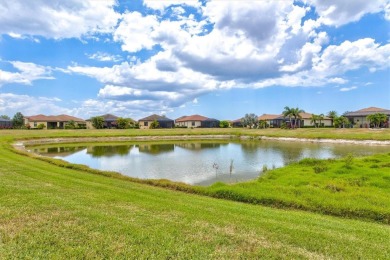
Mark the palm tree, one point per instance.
(332, 115)
(313, 119)
(288, 112)
(320, 118)
(377, 119)
(296, 112)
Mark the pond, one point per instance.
(199, 162)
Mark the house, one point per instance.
(237, 123)
(359, 117)
(52, 122)
(109, 121)
(5, 123)
(303, 121)
(270, 119)
(163, 122)
(196, 121)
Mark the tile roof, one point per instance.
(109, 117)
(372, 109)
(368, 111)
(268, 117)
(192, 118)
(155, 117)
(59, 118)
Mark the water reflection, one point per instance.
(156, 148)
(195, 162)
(109, 151)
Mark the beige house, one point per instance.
(190, 121)
(163, 122)
(359, 117)
(270, 119)
(52, 122)
(306, 119)
(303, 121)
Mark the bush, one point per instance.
(348, 159)
(224, 124)
(41, 126)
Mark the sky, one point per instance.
(220, 59)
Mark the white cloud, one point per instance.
(337, 13)
(102, 56)
(28, 105)
(26, 73)
(348, 89)
(161, 5)
(57, 19)
(236, 44)
(135, 30)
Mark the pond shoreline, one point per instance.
(20, 145)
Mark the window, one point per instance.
(35, 124)
(193, 123)
(146, 123)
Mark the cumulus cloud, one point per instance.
(337, 13)
(11, 103)
(236, 44)
(25, 73)
(57, 19)
(161, 5)
(180, 53)
(134, 31)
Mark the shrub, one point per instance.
(348, 159)
(320, 168)
(41, 126)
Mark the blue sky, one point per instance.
(221, 59)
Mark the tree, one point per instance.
(18, 120)
(263, 124)
(376, 119)
(320, 118)
(296, 113)
(97, 122)
(341, 121)
(313, 119)
(5, 117)
(70, 125)
(249, 120)
(288, 112)
(223, 124)
(122, 123)
(154, 125)
(332, 115)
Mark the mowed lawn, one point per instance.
(52, 212)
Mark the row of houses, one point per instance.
(357, 118)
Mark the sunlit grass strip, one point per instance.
(55, 212)
(360, 190)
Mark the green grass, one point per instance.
(357, 188)
(48, 211)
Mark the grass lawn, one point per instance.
(48, 211)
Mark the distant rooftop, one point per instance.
(191, 118)
(59, 118)
(155, 117)
(368, 111)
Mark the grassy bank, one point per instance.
(350, 187)
(321, 133)
(57, 212)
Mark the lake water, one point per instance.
(198, 162)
